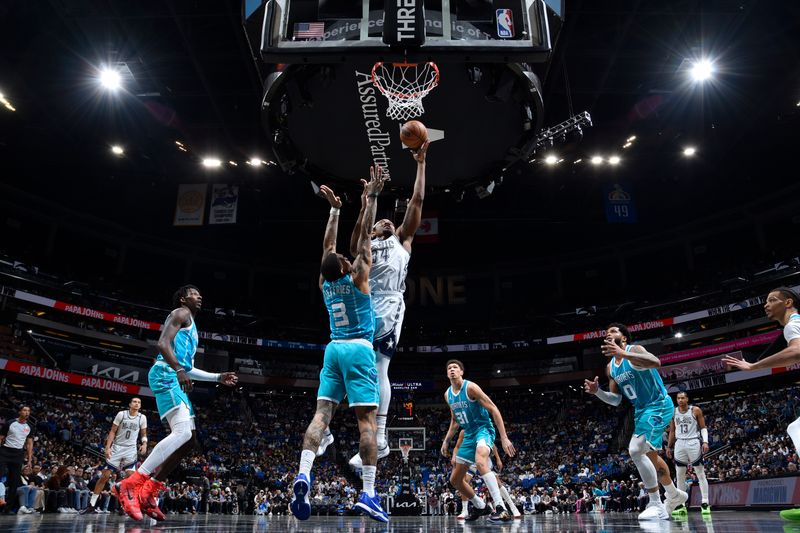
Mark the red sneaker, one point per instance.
(148, 499)
(128, 494)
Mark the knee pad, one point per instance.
(638, 446)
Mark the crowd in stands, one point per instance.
(571, 453)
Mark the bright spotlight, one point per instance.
(551, 159)
(597, 160)
(255, 162)
(689, 151)
(702, 70)
(679, 335)
(613, 160)
(211, 162)
(117, 150)
(631, 138)
(110, 79)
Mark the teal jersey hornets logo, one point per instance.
(643, 387)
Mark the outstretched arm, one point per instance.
(413, 216)
(363, 260)
(787, 356)
(611, 397)
(354, 238)
(474, 392)
(329, 240)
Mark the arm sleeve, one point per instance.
(202, 375)
(118, 419)
(610, 398)
(792, 331)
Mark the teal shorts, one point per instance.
(163, 382)
(466, 452)
(349, 368)
(653, 421)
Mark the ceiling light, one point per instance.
(551, 159)
(689, 151)
(117, 150)
(597, 160)
(179, 143)
(577, 161)
(679, 335)
(631, 138)
(6, 103)
(182, 149)
(613, 160)
(255, 162)
(627, 145)
(498, 370)
(702, 70)
(110, 79)
(211, 162)
(233, 163)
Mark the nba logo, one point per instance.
(505, 24)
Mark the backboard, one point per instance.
(313, 31)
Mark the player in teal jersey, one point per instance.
(473, 411)
(170, 379)
(632, 370)
(349, 363)
(782, 307)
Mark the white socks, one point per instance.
(368, 479)
(491, 483)
(508, 500)
(670, 489)
(381, 419)
(306, 462)
(655, 497)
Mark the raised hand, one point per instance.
(611, 349)
(591, 387)
(419, 153)
(327, 193)
(741, 364)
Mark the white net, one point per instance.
(405, 85)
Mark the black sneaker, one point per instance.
(89, 509)
(475, 513)
(500, 515)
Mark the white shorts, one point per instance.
(390, 308)
(688, 452)
(123, 459)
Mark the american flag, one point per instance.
(309, 30)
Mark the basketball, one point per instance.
(413, 134)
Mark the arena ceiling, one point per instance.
(189, 77)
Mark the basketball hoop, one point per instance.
(405, 449)
(405, 85)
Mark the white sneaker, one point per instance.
(63, 510)
(356, 459)
(654, 511)
(464, 514)
(673, 502)
(22, 510)
(323, 445)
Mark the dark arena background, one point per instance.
(590, 162)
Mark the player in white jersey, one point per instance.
(128, 428)
(781, 306)
(689, 437)
(391, 252)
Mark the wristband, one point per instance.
(704, 434)
(334, 210)
(373, 195)
(181, 369)
(143, 439)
